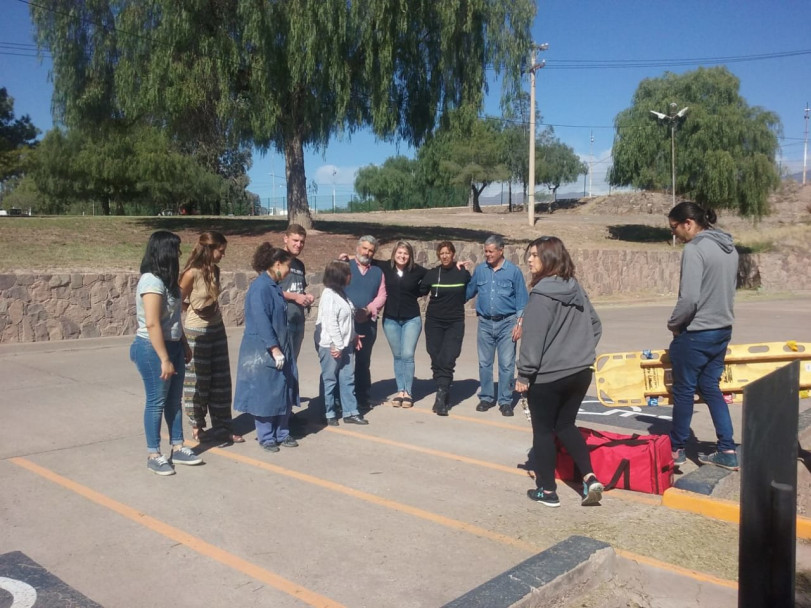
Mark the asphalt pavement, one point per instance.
(411, 510)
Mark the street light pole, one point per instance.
(531, 186)
(672, 119)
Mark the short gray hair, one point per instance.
(496, 240)
(368, 239)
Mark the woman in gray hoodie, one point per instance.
(560, 335)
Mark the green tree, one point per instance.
(285, 75)
(393, 185)
(119, 168)
(472, 155)
(17, 139)
(556, 163)
(725, 149)
(171, 65)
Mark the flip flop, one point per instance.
(408, 402)
(397, 401)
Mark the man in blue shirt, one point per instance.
(502, 295)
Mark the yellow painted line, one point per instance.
(725, 510)
(431, 452)
(699, 576)
(441, 520)
(525, 428)
(183, 538)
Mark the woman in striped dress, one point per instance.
(207, 388)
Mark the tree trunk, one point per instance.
(473, 203)
(105, 206)
(510, 195)
(298, 210)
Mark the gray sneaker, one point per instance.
(186, 456)
(679, 457)
(160, 465)
(720, 459)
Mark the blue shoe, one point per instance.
(720, 459)
(679, 457)
(270, 446)
(185, 456)
(160, 465)
(592, 492)
(550, 499)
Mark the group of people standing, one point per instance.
(555, 322)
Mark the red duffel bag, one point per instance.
(643, 463)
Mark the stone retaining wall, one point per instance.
(41, 307)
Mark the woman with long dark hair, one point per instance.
(267, 377)
(560, 335)
(207, 388)
(336, 342)
(701, 324)
(160, 351)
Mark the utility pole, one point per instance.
(334, 173)
(591, 158)
(805, 145)
(532, 69)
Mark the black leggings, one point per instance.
(554, 408)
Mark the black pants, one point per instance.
(363, 360)
(554, 408)
(443, 341)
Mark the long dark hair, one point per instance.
(266, 255)
(335, 275)
(688, 210)
(555, 259)
(202, 258)
(162, 258)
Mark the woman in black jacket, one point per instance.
(444, 320)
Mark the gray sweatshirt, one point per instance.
(709, 272)
(560, 332)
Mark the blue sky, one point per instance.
(577, 101)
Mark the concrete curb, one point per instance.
(555, 570)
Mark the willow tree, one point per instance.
(725, 149)
(160, 63)
(285, 75)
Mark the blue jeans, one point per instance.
(402, 337)
(163, 397)
(295, 329)
(272, 428)
(697, 358)
(340, 372)
(496, 337)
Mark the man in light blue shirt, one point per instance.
(502, 295)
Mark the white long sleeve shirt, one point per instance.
(335, 324)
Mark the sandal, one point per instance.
(237, 439)
(408, 402)
(397, 401)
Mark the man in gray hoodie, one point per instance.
(701, 324)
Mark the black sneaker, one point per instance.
(550, 499)
(270, 446)
(332, 421)
(720, 459)
(484, 406)
(506, 410)
(289, 442)
(356, 419)
(592, 492)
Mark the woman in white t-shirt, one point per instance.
(160, 351)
